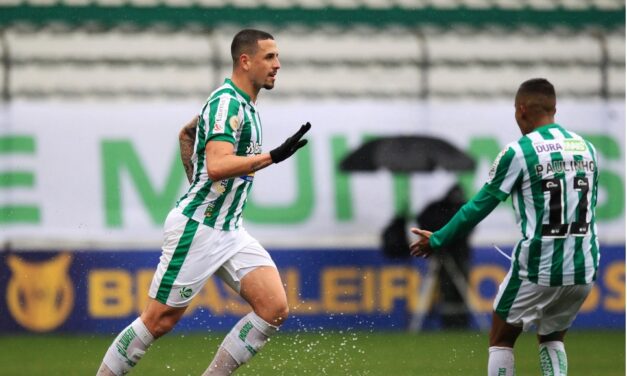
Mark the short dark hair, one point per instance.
(537, 86)
(538, 94)
(245, 42)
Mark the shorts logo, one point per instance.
(185, 292)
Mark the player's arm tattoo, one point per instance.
(187, 138)
(258, 165)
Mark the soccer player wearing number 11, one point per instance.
(551, 174)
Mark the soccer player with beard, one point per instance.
(203, 234)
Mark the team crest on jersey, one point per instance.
(219, 187)
(234, 123)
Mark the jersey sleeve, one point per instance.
(504, 173)
(466, 218)
(222, 118)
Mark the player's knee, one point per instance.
(161, 325)
(274, 314)
(166, 324)
(281, 314)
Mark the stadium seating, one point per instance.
(58, 59)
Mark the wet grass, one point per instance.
(314, 353)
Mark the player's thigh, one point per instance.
(191, 253)
(503, 334)
(262, 287)
(252, 273)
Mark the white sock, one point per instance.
(501, 361)
(245, 340)
(128, 348)
(553, 361)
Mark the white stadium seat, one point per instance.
(324, 61)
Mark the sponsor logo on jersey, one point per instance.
(551, 184)
(575, 145)
(223, 107)
(253, 148)
(39, 295)
(209, 210)
(492, 171)
(548, 147)
(221, 113)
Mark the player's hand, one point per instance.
(421, 246)
(289, 147)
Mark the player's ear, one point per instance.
(522, 108)
(244, 62)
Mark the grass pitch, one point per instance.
(314, 353)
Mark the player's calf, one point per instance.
(126, 350)
(243, 342)
(553, 360)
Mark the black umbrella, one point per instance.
(407, 154)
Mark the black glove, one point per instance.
(289, 147)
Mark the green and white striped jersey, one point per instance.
(552, 175)
(228, 115)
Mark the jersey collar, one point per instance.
(548, 126)
(239, 91)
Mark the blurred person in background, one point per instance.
(551, 174)
(453, 311)
(203, 234)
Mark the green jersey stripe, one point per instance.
(255, 120)
(593, 228)
(579, 260)
(535, 248)
(501, 169)
(557, 256)
(212, 215)
(234, 205)
(245, 140)
(510, 292)
(174, 266)
(522, 209)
